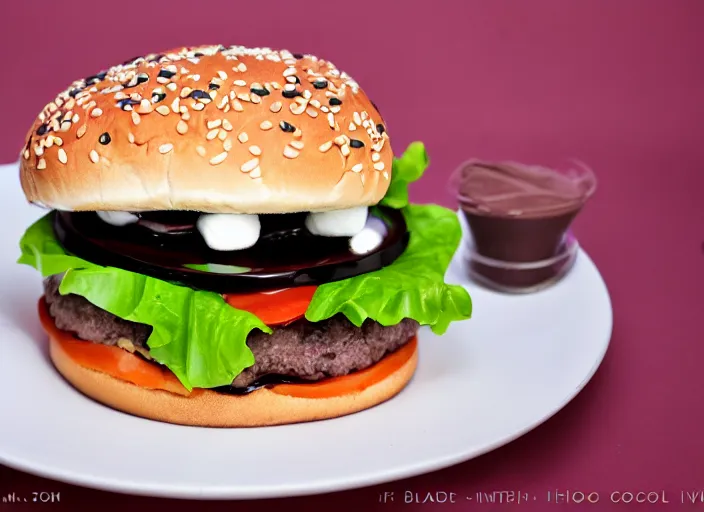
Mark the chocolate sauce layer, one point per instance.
(522, 191)
(286, 254)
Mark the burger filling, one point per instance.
(302, 349)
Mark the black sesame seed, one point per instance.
(125, 102)
(287, 127)
(197, 94)
(298, 55)
(221, 48)
(74, 92)
(96, 78)
(105, 139)
(320, 84)
(213, 87)
(355, 143)
(290, 94)
(156, 58)
(158, 96)
(199, 54)
(380, 128)
(259, 92)
(42, 130)
(165, 73)
(335, 101)
(298, 80)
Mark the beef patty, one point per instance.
(302, 349)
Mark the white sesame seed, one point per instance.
(26, 154)
(378, 145)
(325, 147)
(290, 71)
(312, 112)
(163, 110)
(222, 134)
(185, 92)
(227, 125)
(176, 105)
(266, 125)
(340, 140)
(335, 109)
(276, 85)
(255, 98)
(165, 148)
(376, 157)
(249, 165)
(227, 145)
(298, 133)
(200, 150)
(256, 173)
(135, 118)
(218, 159)
(50, 140)
(240, 83)
(39, 150)
(357, 168)
(75, 118)
(222, 75)
(41, 164)
(62, 156)
(130, 138)
(214, 123)
(243, 137)
(212, 94)
(357, 119)
(324, 109)
(237, 106)
(298, 144)
(296, 108)
(222, 103)
(307, 94)
(290, 152)
(365, 124)
(386, 175)
(120, 95)
(276, 106)
(241, 67)
(198, 106)
(315, 103)
(255, 150)
(212, 134)
(379, 166)
(182, 127)
(345, 150)
(81, 131)
(243, 96)
(172, 87)
(94, 156)
(162, 80)
(301, 101)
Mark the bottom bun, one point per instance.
(212, 409)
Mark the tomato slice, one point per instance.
(277, 307)
(114, 361)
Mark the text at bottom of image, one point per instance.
(555, 496)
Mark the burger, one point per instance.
(229, 240)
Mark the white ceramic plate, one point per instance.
(517, 362)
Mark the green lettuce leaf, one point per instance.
(196, 334)
(413, 286)
(405, 170)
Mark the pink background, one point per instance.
(616, 83)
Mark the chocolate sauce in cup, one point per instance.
(519, 218)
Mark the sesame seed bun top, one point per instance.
(212, 129)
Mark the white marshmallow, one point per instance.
(370, 237)
(229, 232)
(347, 222)
(118, 218)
